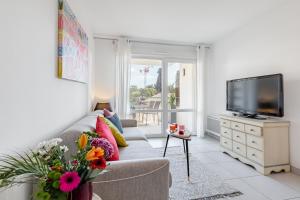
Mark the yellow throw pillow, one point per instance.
(116, 133)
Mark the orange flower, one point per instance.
(94, 154)
(82, 141)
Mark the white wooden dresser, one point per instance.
(263, 144)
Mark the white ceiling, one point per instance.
(174, 20)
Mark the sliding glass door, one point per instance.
(180, 94)
(145, 94)
(162, 92)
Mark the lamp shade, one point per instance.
(103, 105)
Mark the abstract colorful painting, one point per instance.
(72, 46)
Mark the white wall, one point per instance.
(269, 44)
(34, 103)
(105, 62)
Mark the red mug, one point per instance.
(181, 129)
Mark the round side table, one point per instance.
(186, 137)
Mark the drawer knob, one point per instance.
(237, 126)
(225, 132)
(253, 154)
(237, 147)
(251, 130)
(237, 136)
(253, 142)
(225, 142)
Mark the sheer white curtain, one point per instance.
(200, 89)
(122, 76)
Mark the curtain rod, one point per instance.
(163, 43)
(105, 38)
(112, 38)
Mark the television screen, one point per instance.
(257, 95)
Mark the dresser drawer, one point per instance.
(225, 123)
(255, 155)
(239, 137)
(239, 148)
(254, 130)
(226, 132)
(237, 126)
(255, 142)
(227, 143)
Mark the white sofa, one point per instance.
(141, 173)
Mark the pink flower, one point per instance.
(69, 181)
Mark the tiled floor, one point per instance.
(254, 186)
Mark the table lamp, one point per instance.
(103, 105)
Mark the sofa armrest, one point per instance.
(145, 179)
(129, 123)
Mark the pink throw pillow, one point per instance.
(104, 132)
(107, 113)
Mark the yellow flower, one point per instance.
(95, 154)
(82, 141)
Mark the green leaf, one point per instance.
(51, 174)
(43, 196)
(57, 176)
(41, 184)
(55, 184)
(30, 166)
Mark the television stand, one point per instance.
(263, 144)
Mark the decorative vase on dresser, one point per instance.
(263, 144)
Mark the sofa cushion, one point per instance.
(134, 133)
(87, 121)
(116, 121)
(107, 113)
(128, 123)
(104, 131)
(96, 113)
(114, 118)
(70, 135)
(120, 139)
(138, 149)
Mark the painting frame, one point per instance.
(73, 49)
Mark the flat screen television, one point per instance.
(261, 95)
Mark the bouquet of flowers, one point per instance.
(57, 178)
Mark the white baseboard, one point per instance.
(214, 135)
(295, 170)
